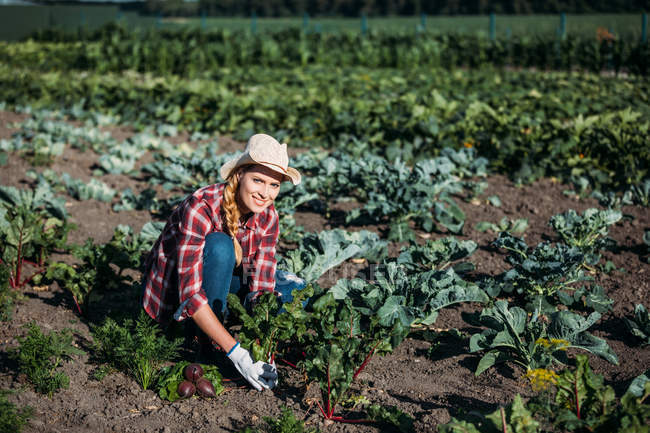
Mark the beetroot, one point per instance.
(186, 389)
(193, 372)
(204, 388)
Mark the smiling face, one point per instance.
(258, 187)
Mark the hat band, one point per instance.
(284, 170)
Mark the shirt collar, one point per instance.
(252, 222)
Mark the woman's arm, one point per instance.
(207, 321)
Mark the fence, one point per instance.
(17, 22)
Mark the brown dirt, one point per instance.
(431, 387)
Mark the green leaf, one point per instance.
(638, 384)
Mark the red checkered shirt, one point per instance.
(174, 267)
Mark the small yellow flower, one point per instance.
(560, 344)
(468, 145)
(541, 379)
(581, 155)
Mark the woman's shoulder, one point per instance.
(210, 193)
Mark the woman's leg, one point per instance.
(218, 281)
(286, 283)
(218, 267)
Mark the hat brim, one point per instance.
(292, 175)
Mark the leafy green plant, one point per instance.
(437, 254)
(582, 402)
(7, 295)
(422, 194)
(136, 348)
(356, 320)
(539, 273)
(343, 340)
(639, 325)
(575, 399)
(32, 224)
(285, 423)
(534, 342)
(322, 251)
(587, 232)
(102, 267)
(586, 298)
(504, 225)
(646, 242)
(271, 322)
(12, 419)
(515, 417)
(39, 356)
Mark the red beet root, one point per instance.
(204, 388)
(193, 372)
(186, 389)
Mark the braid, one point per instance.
(231, 211)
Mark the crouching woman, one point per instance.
(220, 239)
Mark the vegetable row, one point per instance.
(190, 52)
(587, 129)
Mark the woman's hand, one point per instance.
(259, 374)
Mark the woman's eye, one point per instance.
(257, 180)
(275, 185)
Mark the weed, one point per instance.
(136, 348)
(12, 419)
(39, 355)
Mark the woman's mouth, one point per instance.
(259, 202)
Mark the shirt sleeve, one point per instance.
(262, 267)
(194, 225)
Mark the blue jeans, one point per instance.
(219, 278)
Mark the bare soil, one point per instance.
(430, 385)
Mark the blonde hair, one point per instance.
(231, 210)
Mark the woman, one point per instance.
(221, 238)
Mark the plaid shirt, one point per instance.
(174, 267)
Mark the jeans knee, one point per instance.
(219, 244)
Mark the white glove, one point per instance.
(259, 374)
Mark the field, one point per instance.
(471, 235)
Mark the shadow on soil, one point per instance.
(454, 403)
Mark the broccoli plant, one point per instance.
(32, 224)
(587, 232)
(539, 273)
(504, 225)
(323, 251)
(586, 298)
(534, 342)
(437, 254)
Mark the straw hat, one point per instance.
(267, 151)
